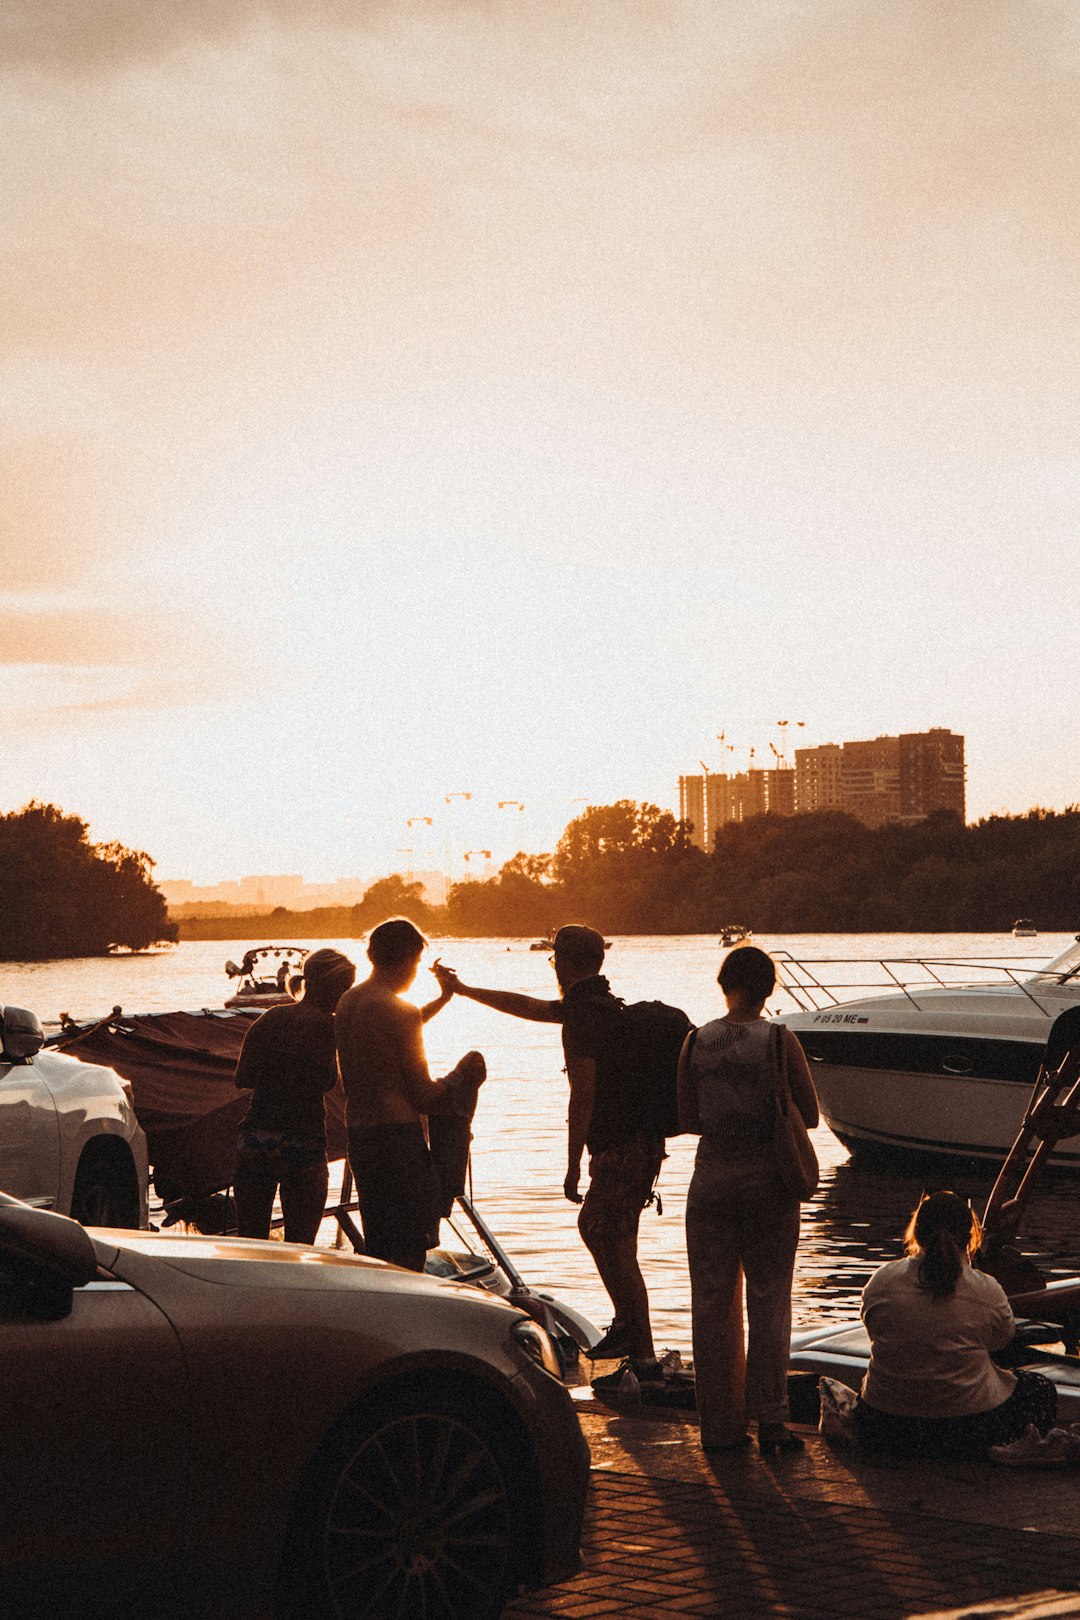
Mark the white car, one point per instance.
(69, 1139)
(219, 1427)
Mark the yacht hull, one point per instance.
(890, 1111)
(946, 1073)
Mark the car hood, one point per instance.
(249, 1263)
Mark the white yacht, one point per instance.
(940, 1058)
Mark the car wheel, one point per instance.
(411, 1515)
(100, 1196)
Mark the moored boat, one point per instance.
(1024, 928)
(940, 1061)
(261, 983)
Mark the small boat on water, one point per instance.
(1024, 928)
(735, 934)
(940, 1059)
(262, 984)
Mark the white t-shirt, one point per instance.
(931, 1357)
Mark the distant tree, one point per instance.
(518, 901)
(60, 895)
(393, 896)
(614, 830)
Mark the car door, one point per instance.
(93, 1451)
(29, 1136)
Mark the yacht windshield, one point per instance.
(1066, 966)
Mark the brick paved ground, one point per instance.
(817, 1536)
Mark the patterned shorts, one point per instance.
(620, 1186)
(275, 1153)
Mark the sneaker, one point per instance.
(622, 1385)
(1059, 1448)
(612, 1345)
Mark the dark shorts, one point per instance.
(275, 1155)
(961, 1439)
(621, 1183)
(398, 1192)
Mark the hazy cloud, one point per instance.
(77, 36)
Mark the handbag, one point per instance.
(795, 1157)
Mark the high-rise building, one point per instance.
(870, 780)
(931, 773)
(709, 802)
(881, 780)
(692, 809)
(817, 778)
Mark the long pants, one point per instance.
(742, 1228)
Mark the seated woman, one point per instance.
(931, 1389)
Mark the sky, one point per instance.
(404, 401)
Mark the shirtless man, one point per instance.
(388, 1092)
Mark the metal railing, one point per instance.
(814, 989)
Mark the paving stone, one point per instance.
(668, 1533)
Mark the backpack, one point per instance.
(651, 1036)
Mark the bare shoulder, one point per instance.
(372, 1007)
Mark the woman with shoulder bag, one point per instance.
(745, 1086)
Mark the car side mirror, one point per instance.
(21, 1034)
(47, 1256)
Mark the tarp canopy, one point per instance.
(180, 1066)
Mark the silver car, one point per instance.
(69, 1139)
(220, 1427)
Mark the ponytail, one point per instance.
(942, 1230)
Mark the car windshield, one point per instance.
(1063, 967)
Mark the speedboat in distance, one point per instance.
(939, 1058)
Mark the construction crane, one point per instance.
(781, 726)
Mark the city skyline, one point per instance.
(424, 401)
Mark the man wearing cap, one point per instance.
(389, 1092)
(623, 1161)
(288, 1063)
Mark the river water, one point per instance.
(519, 1150)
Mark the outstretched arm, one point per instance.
(430, 1008)
(504, 1001)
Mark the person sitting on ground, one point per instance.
(388, 1093)
(931, 1389)
(289, 1063)
(624, 1160)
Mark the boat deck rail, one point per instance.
(819, 983)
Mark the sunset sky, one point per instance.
(506, 398)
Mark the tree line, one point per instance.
(626, 868)
(61, 895)
(631, 868)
